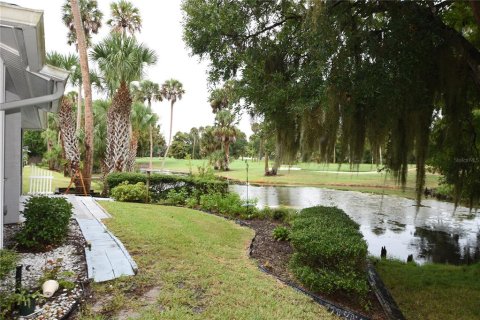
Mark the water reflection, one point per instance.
(435, 232)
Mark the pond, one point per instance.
(433, 233)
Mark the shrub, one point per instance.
(329, 251)
(177, 197)
(160, 184)
(8, 261)
(228, 204)
(46, 222)
(130, 192)
(281, 233)
(280, 214)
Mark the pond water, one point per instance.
(434, 232)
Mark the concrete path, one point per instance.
(106, 256)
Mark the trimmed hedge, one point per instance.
(329, 251)
(161, 184)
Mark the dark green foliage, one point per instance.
(160, 184)
(46, 222)
(381, 69)
(130, 192)
(228, 204)
(35, 143)
(8, 261)
(279, 214)
(177, 197)
(330, 252)
(281, 233)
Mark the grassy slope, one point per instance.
(59, 181)
(433, 291)
(200, 263)
(309, 176)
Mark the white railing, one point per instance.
(40, 181)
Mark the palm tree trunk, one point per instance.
(79, 108)
(227, 155)
(266, 163)
(82, 50)
(150, 133)
(118, 131)
(169, 136)
(193, 149)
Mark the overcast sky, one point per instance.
(162, 32)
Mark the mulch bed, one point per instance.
(69, 257)
(275, 255)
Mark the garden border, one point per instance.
(335, 309)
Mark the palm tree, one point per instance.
(194, 134)
(148, 91)
(172, 90)
(82, 50)
(226, 132)
(141, 117)
(125, 17)
(121, 61)
(90, 16)
(70, 63)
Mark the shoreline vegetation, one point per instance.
(366, 179)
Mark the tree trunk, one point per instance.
(334, 153)
(118, 131)
(227, 155)
(150, 133)
(266, 163)
(193, 149)
(69, 140)
(169, 136)
(476, 11)
(82, 51)
(79, 108)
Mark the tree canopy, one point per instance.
(351, 71)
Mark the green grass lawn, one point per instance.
(362, 180)
(59, 181)
(200, 264)
(433, 291)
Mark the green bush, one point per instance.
(279, 214)
(281, 233)
(228, 204)
(8, 261)
(46, 222)
(161, 184)
(130, 192)
(177, 197)
(329, 251)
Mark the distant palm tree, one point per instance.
(121, 61)
(226, 132)
(125, 17)
(91, 17)
(194, 134)
(148, 91)
(141, 117)
(172, 90)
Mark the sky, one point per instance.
(161, 32)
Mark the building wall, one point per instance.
(13, 162)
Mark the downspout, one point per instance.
(2, 146)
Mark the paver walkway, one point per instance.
(106, 256)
